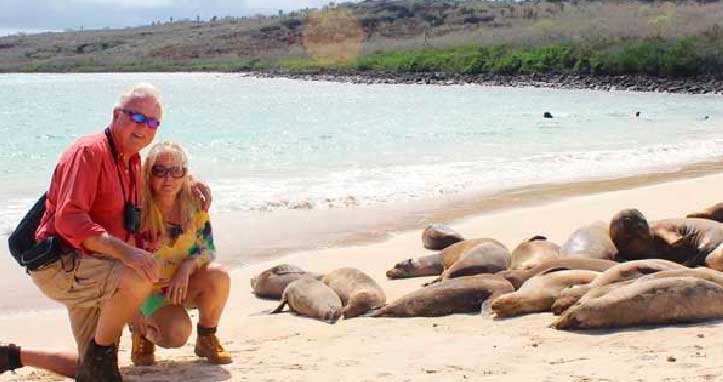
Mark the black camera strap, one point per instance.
(132, 189)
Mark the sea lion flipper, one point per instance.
(280, 308)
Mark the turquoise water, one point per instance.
(266, 145)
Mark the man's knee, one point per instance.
(133, 283)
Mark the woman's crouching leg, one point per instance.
(208, 290)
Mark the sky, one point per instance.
(57, 15)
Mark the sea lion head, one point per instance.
(628, 224)
(401, 269)
(332, 315)
(630, 232)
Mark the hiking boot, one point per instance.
(100, 364)
(142, 350)
(9, 357)
(208, 346)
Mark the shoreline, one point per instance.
(633, 82)
(357, 226)
(451, 348)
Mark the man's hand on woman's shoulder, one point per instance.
(201, 191)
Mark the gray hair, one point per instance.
(137, 91)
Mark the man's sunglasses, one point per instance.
(176, 172)
(137, 117)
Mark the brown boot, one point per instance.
(208, 346)
(142, 351)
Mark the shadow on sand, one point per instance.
(176, 371)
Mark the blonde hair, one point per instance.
(151, 217)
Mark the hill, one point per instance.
(659, 38)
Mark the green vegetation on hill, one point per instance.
(685, 57)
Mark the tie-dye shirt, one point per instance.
(196, 243)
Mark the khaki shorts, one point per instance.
(81, 283)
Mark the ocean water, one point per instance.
(273, 145)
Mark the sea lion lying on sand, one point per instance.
(272, 282)
(685, 241)
(616, 274)
(358, 292)
(440, 236)
(656, 301)
(518, 277)
(591, 241)
(714, 212)
(485, 256)
(430, 265)
(311, 298)
(459, 295)
(532, 252)
(454, 252)
(539, 292)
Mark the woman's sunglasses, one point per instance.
(137, 117)
(175, 172)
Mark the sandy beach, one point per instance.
(285, 347)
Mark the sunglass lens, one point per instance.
(178, 172)
(158, 171)
(153, 123)
(138, 118)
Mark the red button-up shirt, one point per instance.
(85, 197)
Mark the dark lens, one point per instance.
(158, 171)
(178, 172)
(152, 123)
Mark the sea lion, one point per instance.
(454, 252)
(655, 301)
(272, 282)
(618, 273)
(430, 265)
(685, 241)
(311, 298)
(591, 241)
(518, 277)
(488, 257)
(714, 212)
(440, 236)
(358, 292)
(532, 252)
(459, 295)
(482, 256)
(539, 293)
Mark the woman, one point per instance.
(178, 232)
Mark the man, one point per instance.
(92, 207)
